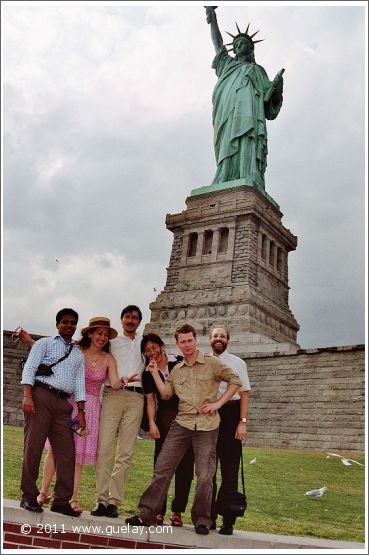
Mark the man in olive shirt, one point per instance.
(195, 381)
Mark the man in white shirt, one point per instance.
(121, 413)
(232, 429)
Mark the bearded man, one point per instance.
(232, 430)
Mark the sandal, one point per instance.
(159, 518)
(176, 519)
(75, 506)
(43, 498)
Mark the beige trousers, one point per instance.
(121, 413)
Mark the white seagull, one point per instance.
(316, 493)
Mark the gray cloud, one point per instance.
(107, 127)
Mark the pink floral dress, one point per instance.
(86, 447)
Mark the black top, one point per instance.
(164, 406)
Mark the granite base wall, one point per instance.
(313, 400)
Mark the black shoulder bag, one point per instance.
(237, 501)
(46, 369)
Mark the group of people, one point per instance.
(197, 408)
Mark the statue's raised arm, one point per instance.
(243, 99)
(211, 18)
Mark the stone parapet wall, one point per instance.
(12, 373)
(313, 399)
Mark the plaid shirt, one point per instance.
(68, 375)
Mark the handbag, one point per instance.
(235, 501)
(46, 369)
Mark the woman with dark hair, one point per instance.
(161, 414)
(99, 365)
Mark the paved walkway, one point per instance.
(117, 531)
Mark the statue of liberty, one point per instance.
(243, 99)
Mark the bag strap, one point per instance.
(242, 474)
(64, 357)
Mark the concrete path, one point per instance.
(120, 534)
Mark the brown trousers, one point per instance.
(52, 420)
(177, 442)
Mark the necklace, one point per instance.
(94, 361)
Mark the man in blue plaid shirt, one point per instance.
(47, 412)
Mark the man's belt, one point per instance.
(130, 388)
(134, 388)
(58, 392)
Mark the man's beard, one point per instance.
(218, 347)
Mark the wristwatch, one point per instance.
(244, 419)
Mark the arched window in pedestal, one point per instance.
(208, 242)
(272, 254)
(279, 259)
(263, 246)
(223, 240)
(192, 244)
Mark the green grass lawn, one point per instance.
(275, 486)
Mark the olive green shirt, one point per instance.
(197, 384)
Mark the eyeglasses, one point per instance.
(15, 334)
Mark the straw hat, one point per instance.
(100, 322)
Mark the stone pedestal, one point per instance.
(229, 265)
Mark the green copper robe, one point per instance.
(243, 97)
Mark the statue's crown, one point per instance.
(244, 35)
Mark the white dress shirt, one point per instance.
(239, 367)
(127, 353)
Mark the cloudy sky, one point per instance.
(107, 128)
